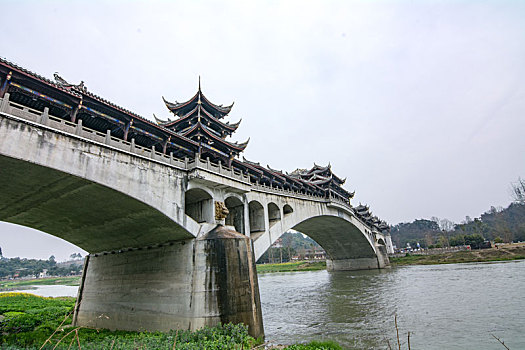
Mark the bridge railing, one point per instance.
(288, 193)
(54, 122)
(197, 162)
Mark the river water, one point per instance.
(455, 306)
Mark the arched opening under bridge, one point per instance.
(199, 205)
(274, 214)
(346, 246)
(235, 216)
(339, 238)
(87, 214)
(256, 214)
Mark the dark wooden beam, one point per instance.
(126, 130)
(5, 85)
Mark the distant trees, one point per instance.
(17, 267)
(474, 241)
(508, 224)
(75, 256)
(426, 232)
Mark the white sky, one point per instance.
(418, 103)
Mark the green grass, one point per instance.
(451, 258)
(292, 266)
(67, 281)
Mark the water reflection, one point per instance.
(443, 306)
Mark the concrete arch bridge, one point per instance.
(164, 252)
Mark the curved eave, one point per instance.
(160, 121)
(250, 162)
(181, 119)
(200, 126)
(267, 170)
(234, 126)
(286, 176)
(175, 107)
(231, 127)
(219, 108)
(318, 168)
(248, 165)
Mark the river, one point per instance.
(456, 306)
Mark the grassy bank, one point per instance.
(31, 322)
(292, 266)
(503, 253)
(66, 281)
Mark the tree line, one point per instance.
(18, 267)
(497, 224)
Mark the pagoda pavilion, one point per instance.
(200, 120)
(324, 178)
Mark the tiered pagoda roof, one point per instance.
(324, 178)
(199, 120)
(364, 213)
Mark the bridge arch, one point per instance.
(198, 204)
(344, 238)
(85, 213)
(340, 238)
(256, 216)
(274, 214)
(287, 209)
(235, 216)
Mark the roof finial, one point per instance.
(199, 83)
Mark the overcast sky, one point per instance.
(420, 104)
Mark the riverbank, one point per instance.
(28, 321)
(292, 266)
(501, 253)
(8, 285)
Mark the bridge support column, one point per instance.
(378, 262)
(184, 285)
(352, 264)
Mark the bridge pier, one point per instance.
(380, 261)
(182, 285)
(352, 264)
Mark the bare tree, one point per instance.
(446, 225)
(518, 190)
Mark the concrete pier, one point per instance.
(183, 285)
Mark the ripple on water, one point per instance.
(454, 306)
